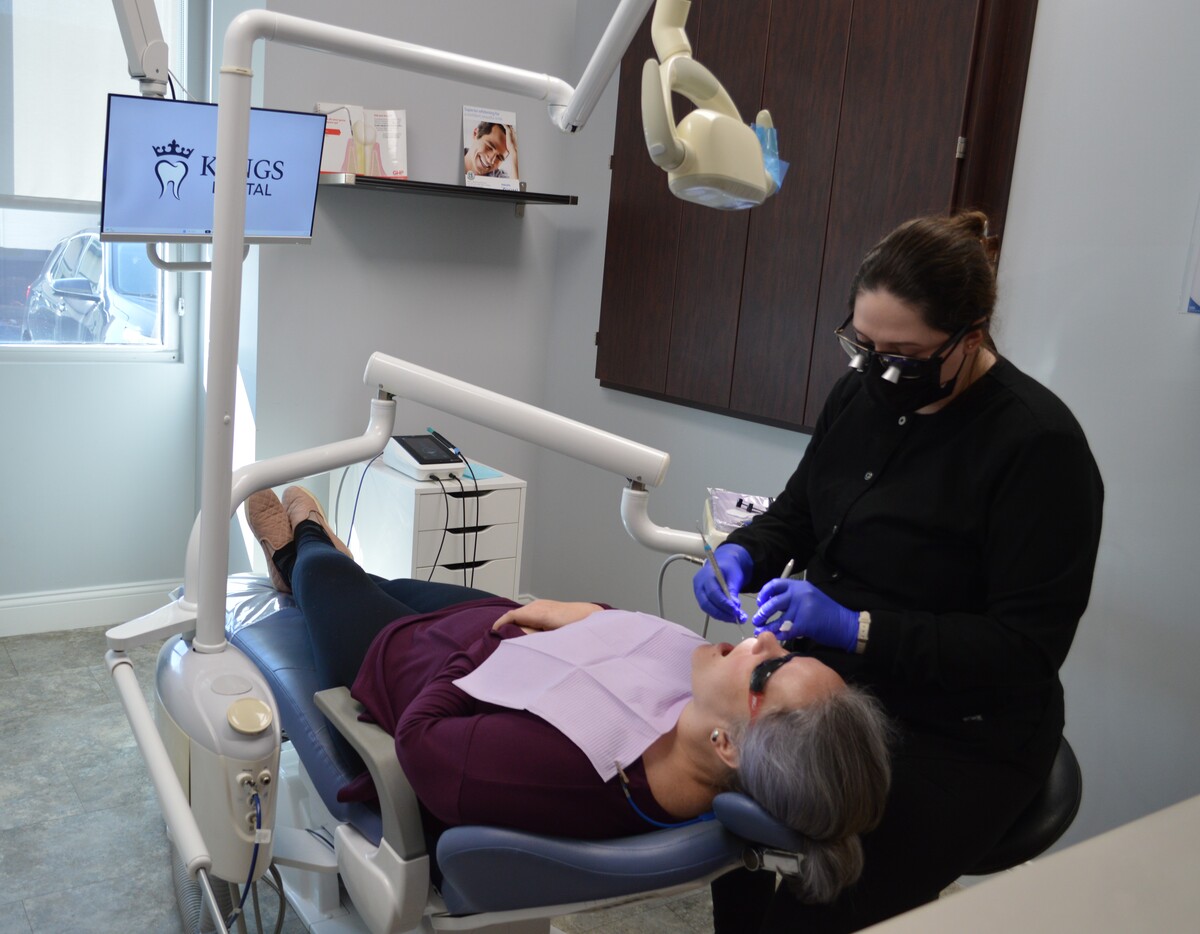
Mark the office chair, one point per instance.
(1041, 823)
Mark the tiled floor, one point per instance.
(82, 844)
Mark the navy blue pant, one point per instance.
(345, 607)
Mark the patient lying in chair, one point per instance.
(576, 720)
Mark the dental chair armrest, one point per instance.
(398, 804)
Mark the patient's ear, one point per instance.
(724, 746)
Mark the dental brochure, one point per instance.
(489, 149)
(364, 141)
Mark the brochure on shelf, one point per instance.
(489, 144)
(341, 153)
(364, 141)
(387, 147)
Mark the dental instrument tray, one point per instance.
(725, 510)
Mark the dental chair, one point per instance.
(491, 879)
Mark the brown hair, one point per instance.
(941, 265)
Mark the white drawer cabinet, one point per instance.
(411, 528)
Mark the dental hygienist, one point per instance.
(947, 511)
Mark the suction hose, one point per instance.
(190, 899)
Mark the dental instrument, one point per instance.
(712, 560)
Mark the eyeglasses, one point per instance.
(896, 366)
(761, 675)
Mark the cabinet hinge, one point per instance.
(597, 338)
(960, 150)
(610, 163)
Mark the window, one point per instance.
(59, 285)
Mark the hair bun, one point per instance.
(974, 223)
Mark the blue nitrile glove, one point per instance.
(805, 611)
(736, 564)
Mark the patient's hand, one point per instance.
(542, 615)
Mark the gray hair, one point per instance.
(824, 770)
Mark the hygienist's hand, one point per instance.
(736, 564)
(799, 609)
(541, 615)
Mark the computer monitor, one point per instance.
(160, 164)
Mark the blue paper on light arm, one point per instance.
(768, 138)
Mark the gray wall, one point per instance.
(1104, 196)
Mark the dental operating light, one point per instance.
(711, 157)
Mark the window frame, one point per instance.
(191, 17)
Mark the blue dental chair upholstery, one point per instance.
(483, 869)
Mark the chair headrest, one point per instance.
(748, 819)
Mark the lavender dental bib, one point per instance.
(612, 683)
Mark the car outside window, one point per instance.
(70, 256)
(90, 292)
(59, 286)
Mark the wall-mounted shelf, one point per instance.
(518, 198)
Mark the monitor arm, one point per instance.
(144, 45)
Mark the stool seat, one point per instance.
(1046, 818)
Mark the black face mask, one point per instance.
(914, 391)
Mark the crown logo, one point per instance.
(174, 149)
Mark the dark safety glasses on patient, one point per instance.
(761, 675)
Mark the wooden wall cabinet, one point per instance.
(886, 110)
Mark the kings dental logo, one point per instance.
(171, 168)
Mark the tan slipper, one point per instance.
(301, 505)
(268, 521)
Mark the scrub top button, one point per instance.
(835, 575)
(869, 475)
(833, 531)
(903, 420)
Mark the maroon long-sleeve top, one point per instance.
(471, 762)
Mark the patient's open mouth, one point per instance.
(725, 648)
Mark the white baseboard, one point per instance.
(51, 611)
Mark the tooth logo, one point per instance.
(171, 173)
